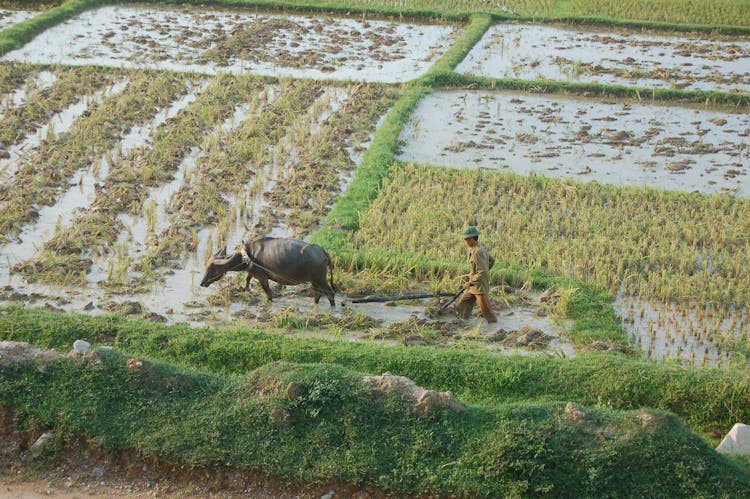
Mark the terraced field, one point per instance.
(605, 162)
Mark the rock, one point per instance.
(280, 418)
(424, 401)
(134, 364)
(292, 390)
(42, 444)
(574, 411)
(80, 347)
(16, 351)
(414, 340)
(327, 496)
(89, 306)
(431, 401)
(737, 441)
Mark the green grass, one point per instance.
(330, 426)
(709, 98)
(710, 401)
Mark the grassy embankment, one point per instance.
(318, 422)
(710, 401)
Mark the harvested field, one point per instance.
(156, 170)
(150, 173)
(676, 261)
(610, 141)
(136, 140)
(630, 58)
(238, 42)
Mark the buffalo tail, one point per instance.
(330, 271)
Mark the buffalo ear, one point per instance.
(221, 253)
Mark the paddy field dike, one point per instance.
(602, 148)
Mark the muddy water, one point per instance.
(43, 79)
(10, 17)
(533, 52)
(185, 39)
(514, 318)
(78, 197)
(58, 124)
(617, 142)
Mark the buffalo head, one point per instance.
(218, 265)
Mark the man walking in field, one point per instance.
(478, 287)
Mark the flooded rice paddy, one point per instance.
(690, 336)
(10, 17)
(91, 245)
(620, 142)
(545, 52)
(212, 41)
(197, 163)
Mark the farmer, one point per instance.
(478, 287)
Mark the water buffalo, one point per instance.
(285, 261)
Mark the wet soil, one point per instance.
(621, 142)
(237, 41)
(631, 58)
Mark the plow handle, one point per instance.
(455, 297)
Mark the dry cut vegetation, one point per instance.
(729, 12)
(667, 247)
(280, 165)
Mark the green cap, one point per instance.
(471, 231)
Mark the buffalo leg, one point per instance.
(264, 284)
(324, 289)
(247, 282)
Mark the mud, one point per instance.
(536, 52)
(620, 142)
(239, 41)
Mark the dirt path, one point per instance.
(42, 488)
